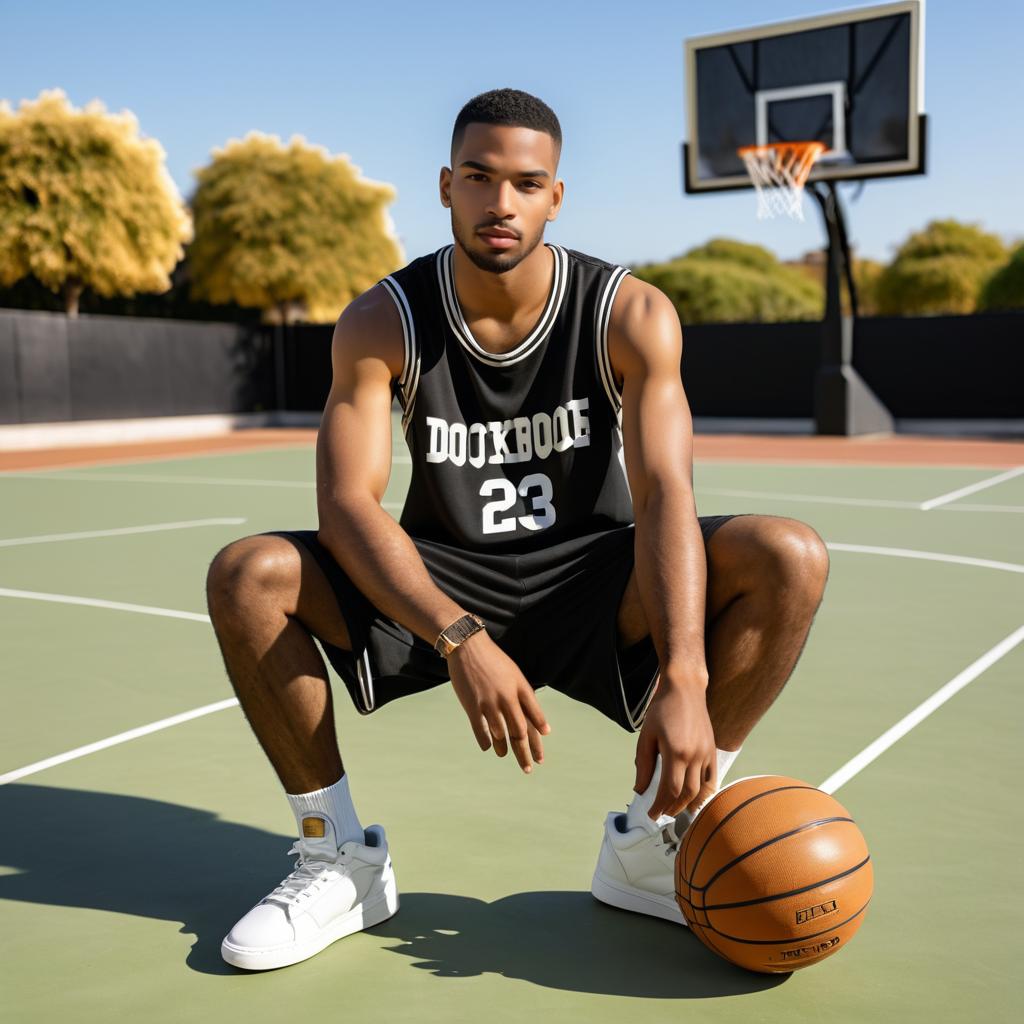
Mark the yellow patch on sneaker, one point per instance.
(313, 828)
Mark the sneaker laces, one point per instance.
(309, 877)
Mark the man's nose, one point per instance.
(502, 201)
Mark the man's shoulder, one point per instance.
(592, 261)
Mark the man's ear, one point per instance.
(558, 194)
(445, 187)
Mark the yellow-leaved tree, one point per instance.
(85, 202)
(290, 229)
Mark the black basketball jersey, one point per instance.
(516, 451)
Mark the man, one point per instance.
(543, 409)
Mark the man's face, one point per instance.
(502, 191)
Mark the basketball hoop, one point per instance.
(779, 172)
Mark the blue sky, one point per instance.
(383, 83)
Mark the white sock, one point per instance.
(332, 805)
(636, 812)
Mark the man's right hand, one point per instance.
(496, 697)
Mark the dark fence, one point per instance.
(97, 367)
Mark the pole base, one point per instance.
(844, 405)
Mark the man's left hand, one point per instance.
(677, 726)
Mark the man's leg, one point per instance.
(766, 578)
(267, 597)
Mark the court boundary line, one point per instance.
(926, 556)
(120, 531)
(980, 485)
(896, 732)
(113, 741)
(96, 602)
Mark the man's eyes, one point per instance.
(528, 184)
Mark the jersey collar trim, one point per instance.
(457, 322)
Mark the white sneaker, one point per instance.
(332, 893)
(636, 867)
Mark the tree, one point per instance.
(726, 280)
(85, 202)
(1005, 288)
(292, 230)
(939, 270)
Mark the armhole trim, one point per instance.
(603, 318)
(409, 379)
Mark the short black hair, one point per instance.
(511, 107)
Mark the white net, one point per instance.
(779, 172)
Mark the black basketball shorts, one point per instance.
(553, 612)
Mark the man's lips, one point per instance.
(499, 238)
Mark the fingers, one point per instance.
(496, 727)
(708, 788)
(535, 745)
(531, 709)
(673, 778)
(508, 728)
(646, 757)
(481, 732)
(691, 787)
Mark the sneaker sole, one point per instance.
(367, 914)
(615, 894)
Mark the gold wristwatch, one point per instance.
(458, 632)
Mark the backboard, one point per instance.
(853, 80)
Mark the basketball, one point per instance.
(773, 874)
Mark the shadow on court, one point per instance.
(153, 859)
(564, 940)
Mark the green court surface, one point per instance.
(122, 869)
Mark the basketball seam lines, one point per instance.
(761, 846)
(781, 895)
(798, 940)
(732, 813)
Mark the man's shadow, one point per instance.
(153, 859)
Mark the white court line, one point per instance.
(821, 499)
(981, 485)
(157, 478)
(921, 712)
(210, 481)
(824, 499)
(47, 538)
(121, 737)
(927, 556)
(95, 602)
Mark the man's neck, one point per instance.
(503, 297)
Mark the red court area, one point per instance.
(903, 450)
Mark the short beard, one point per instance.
(498, 263)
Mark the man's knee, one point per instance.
(773, 553)
(796, 557)
(249, 571)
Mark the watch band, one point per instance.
(457, 633)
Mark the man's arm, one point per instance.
(645, 346)
(353, 464)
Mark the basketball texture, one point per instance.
(773, 874)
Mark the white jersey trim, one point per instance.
(409, 379)
(602, 319)
(457, 322)
(365, 676)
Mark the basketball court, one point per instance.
(124, 864)
(141, 818)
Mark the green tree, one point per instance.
(85, 202)
(292, 230)
(1005, 288)
(939, 270)
(725, 280)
